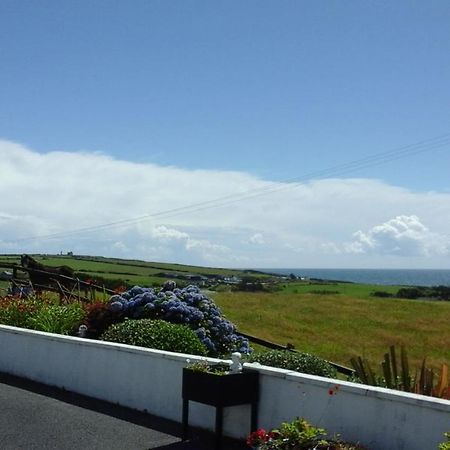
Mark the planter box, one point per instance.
(220, 391)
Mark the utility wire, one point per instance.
(291, 183)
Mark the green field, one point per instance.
(333, 320)
(337, 327)
(132, 271)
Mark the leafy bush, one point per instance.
(445, 445)
(382, 294)
(411, 293)
(299, 435)
(60, 319)
(99, 318)
(299, 362)
(156, 334)
(434, 292)
(17, 311)
(186, 306)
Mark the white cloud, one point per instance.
(292, 226)
(404, 236)
(162, 232)
(209, 251)
(257, 239)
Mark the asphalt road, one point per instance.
(37, 417)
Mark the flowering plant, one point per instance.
(257, 438)
(297, 435)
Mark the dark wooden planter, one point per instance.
(220, 391)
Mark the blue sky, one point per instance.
(269, 90)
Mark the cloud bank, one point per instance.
(322, 223)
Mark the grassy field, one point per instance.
(337, 327)
(333, 320)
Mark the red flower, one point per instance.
(257, 437)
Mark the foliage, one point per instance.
(109, 283)
(249, 284)
(411, 293)
(59, 319)
(17, 311)
(297, 435)
(382, 294)
(396, 375)
(300, 362)
(157, 334)
(99, 318)
(186, 306)
(445, 445)
(40, 314)
(204, 366)
(434, 292)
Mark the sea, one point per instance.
(404, 277)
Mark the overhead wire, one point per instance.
(287, 184)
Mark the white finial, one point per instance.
(236, 365)
(82, 331)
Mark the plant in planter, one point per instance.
(298, 435)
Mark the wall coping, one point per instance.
(354, 388)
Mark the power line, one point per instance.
(291, 183)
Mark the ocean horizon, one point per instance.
(404, 277)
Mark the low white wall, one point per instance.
(381, 419)
(150, 380)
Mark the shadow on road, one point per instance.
(200, 440)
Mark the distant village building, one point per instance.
(232, 280)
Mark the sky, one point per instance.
(233, 134)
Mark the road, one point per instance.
(37, 417)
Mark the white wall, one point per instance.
(150, 380)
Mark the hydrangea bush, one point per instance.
(186, 306)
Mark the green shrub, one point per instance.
(59, 319)
(411, 293)
(16, 312)
(382, 294)
(299, 362)
(445, 445)
(300, 435)
(156, 334)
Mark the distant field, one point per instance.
(132, 271)
(332, 320)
